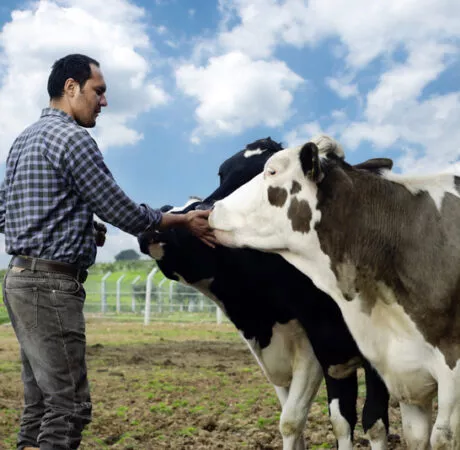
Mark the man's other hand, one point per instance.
(100, 230)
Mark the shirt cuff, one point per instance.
(154, 216)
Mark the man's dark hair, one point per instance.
(74, 66)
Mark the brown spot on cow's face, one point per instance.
(299, 213)
(296, 187)
(277, 196)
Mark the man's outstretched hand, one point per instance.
(197, 223)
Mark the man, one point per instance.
(55, 181)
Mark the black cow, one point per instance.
(294, 342)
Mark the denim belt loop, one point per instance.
(34, 263)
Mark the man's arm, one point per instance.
(95, 184)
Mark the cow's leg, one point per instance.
(455, 417)
(289, 360)
(306, 379)
(416, 424)
(282, 394)
(442, 434)
(342, 395)
(375, 411)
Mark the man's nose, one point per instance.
(103, 101)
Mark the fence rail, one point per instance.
(145, 300)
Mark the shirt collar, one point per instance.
(46, 112)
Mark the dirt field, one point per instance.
(172, 386)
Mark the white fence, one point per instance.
(165, 301)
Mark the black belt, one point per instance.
(46, 265)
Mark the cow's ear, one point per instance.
(309, 160)
(375, 165)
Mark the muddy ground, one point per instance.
(169, 386)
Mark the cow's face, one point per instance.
(274, 208)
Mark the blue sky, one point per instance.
(191, 83)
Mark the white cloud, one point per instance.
(235, 92)
(396, 113)
(111, 32)
(405, 82)
(414, 41)
(342, 87)
(366, 29)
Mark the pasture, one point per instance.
(173, 386)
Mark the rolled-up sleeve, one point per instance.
(95, 184)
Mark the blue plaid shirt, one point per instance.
(55, 180)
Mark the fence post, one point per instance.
(133, 294)
(218, 315)
(171, 287)
(103, 293)
(148, 292)
(160, 295)
(118, 292)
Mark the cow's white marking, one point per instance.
(192, 199)
(340, 426)
(257, 151)
(437, 185)
(157, 251)
(378, 436)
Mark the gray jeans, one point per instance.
(46, 311)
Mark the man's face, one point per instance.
(88, 101)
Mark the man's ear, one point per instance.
(70, 87)
(309, 160)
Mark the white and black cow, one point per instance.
(387, 250)
(260, 293)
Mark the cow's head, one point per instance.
(262, 213)
(242, 167)
(278, 207)
(175, 249)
